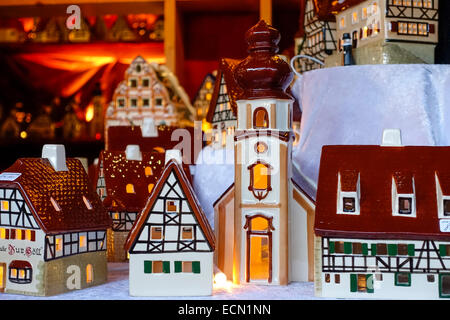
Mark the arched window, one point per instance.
(130, 188)
(260, 179)
(89, 274)
(260, 118)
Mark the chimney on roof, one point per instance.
(56, 154)
(392, 138)
(148, 128)
(174, 154)
(133, 152)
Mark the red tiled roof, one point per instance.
(377, 166)
(225, 69)
(40, 182)
(119, 172)
(173, 166)
(121, 136)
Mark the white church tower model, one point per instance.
(264, 209)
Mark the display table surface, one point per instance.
(117, 289)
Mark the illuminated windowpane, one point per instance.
(89, 274)
(82, 241)
(130, 188)
(208, 85)
(156, 233)
(58, 244)
(187, 233)
(3, 233)
(260, 176)
(148, 171)
(404, 205)
(261, 118)
(354, 17)
(364, 13)
(342, 23)
(5, 205)
(259, 258)
(21, 274)
(150, 187)
(208, 96)
(259, 224)
(14, 273)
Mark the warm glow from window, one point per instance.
(14, 273)
(116, 216)
(130, 188)
(187, 233)
(208, 96)
(342, 23)
(260, 176)
(58, 244)
(364, 13)
(261, 119)
(89, 113)
(89, 274)
(150, 187)
(5, 205)
(159, 149)
(28, 234)
(2, 233)
(82, 241)
(259, 224)
(208, 85)
(21, 274)
(148, 171)
(19, 234)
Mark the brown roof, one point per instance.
(121, 136)
(118, 172)
(225, 69)
(40, 183)
(377, 166)
(173, 166)
(327, 9)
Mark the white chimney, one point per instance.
(174, 154)
(148, 128)
(392, 138)
(133, 152)
(56, 154)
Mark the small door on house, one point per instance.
(259, 247)
(2, 277)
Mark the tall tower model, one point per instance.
(263, 145)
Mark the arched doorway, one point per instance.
(259, 248)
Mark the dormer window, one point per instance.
(348, 192)
(404, 205)
(403, 195)
(443, 194)
(447, 208)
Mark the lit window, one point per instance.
(2, 233)
(19, 234)
(116, 216)
(224, 137)
(55, 204)
(171, 206)
(260, 147)
(5, 205)
(208, 96)
(148, 171)
(260, 118)
(404, 205)
(208, 85)
(156, 233)
(417, 3)
(364, 13)
(82, 241)
(130, 188)
(406, 2)
(89, 274)
(150, 187)
(58, 244)
(187, 233)
(342, 23)
(354, 17)
(259, 180)
(374, 8)
(87, 203)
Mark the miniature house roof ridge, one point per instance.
(326, 10)
(172, 166)
(377, 167)
(39, 183)
(225, 70)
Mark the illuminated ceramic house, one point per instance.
(320, 37)
(140, 95)
(385, 32)
(124, 182)
(53, 226)
(171, 245)
(222, 108)
(264, 221)
(383, 222)
(203, 96)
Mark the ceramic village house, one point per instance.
(52, 226)
(382, 222)
(171, 244)
(267, 216)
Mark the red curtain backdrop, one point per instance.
(67, 69)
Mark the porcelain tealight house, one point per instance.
(263, 220)
(171, 244)
(52, 226)
(383, 222)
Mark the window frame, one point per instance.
(265, 118)
(260, 194)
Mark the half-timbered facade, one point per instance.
(382, 222)
(375, 26)
(203, 97)
(320, 37)
(124, 185)
(222, 108)
(52, 228)
(171, 244)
